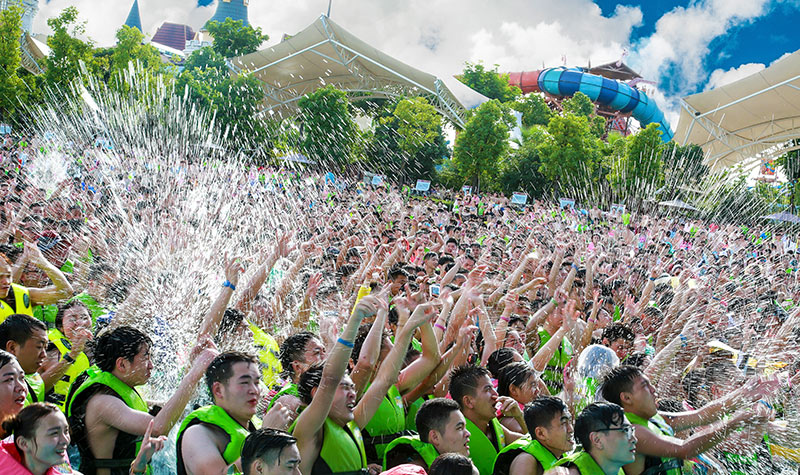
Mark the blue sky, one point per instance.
(761, 40)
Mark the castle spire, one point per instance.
(233, 9)
(134, 20)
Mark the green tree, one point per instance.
(639, 171)
(13, 89)
(130, 48)
(67, 50)
(232, 39)
(579, 104)
(790, 164)
(483, 145)
(570, 153)
(408, 141)
(235, 101)
(490, 83)
(329, 130)
(521, 170)
(534, 109)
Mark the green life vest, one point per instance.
(127, 445)
(750, 464)
(47, 314)
(553, 375)
(81, 364)
(289, 389)
(657, 465)
(483, 451)
(502, 464)
(215, 416)
(411, 412)
(342, 450)
(387, 424)
(35, 388)
(584, 462)
(427, 451)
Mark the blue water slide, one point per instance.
(615, 95)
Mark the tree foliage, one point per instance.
(483, 144)
(131, 49)
(490, 83)
(235, 101)
(521, 169)
(232, 38)
(408, 141)
(570, 154)
(534, 109)
(329, 130)
(13, 89)
(638, 172)
(67, 50)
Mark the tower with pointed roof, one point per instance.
(134, 19)
(233, 9)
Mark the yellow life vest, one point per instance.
(22, 302)
(81, 364)
(268, 353)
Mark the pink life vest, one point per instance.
(11, 462)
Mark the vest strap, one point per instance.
(672, 464)
(112, 463)
(386, 438)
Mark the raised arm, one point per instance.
(390, 368)
(213, 318)
(61, 288)
(310, 421)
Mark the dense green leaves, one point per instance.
(13, 89)
(329, 131)
(483, 144)
(490, 83)
(231, 38)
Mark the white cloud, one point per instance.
(682, 38)
(439, 36)
(720, 77)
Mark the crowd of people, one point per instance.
(382, 332)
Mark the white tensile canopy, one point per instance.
(753, 117)
(325, 53)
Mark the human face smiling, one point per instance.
(49, 445)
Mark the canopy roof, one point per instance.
(325, 53)
(753, 117)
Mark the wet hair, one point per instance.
(264, 444)
(396, 272)
(596, 416)
(515, 373)
(292, 349)
(309, 380)
(231, 320)
(97, 271)
(541, 411)
(433, 415)
(23, 424)
(619, 380)
(451, 464)
(121, 342)
(617, 330)
(499, 359)
(361, 336)
(464, 381)
(6, 357)
(19, 328)
(62, 309)
(221, 368)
